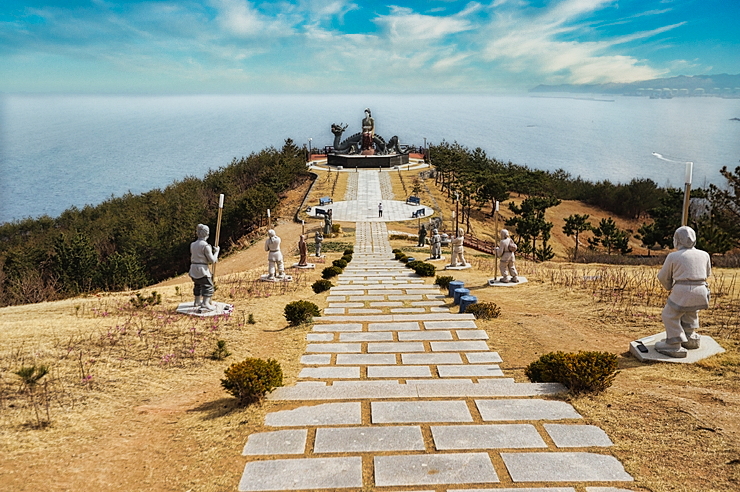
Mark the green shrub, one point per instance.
(404, 259)
(484, 310)
(413, 264)
(349, 251)
(321, 286)
(347, 258)
(400, 254)
(251, 320)
(141, 301)
(340, 263)
(298, 312)
(581, 372)
(396, 250)
(424, 269)
(251, 379)
(443, 282)
(220, 352)
(330, 272)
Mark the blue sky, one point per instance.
(327, 46)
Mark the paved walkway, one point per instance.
(364, 192)
(396, 391)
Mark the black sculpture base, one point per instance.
(367, 161)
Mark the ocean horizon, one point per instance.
(62, 151)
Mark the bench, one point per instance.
(325, 200)
(320, 211)
(419, 213)
(414, 200)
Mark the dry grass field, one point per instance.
(133, 400)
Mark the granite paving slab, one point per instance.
(456, 437)
(364, 311)
(577, 436)
(399, 372)
(431, 359)
(479, 357)
(427, 303)
(386, 304)
(368, 439)
(335, 298)
(439, 310)
(366, 359)
(333, 347)
(466, 370)
(408, 310)
(405, 297)
(409, 325)
(492, 410)
(346, 304)
(320, 337)
(424, 336)
(472, 335)
(325, 414)
(373, 347)
(330, 372)
(446, 325)
(384, 292)
(364, 298)
(459, 346)
(276, 442)
(377, 336)
(318, 359)
(434, 469)
(332, 310)
(338, 327)
(304, 473)
(525, 489)
(564, 467)
(403, 412)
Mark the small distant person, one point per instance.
(380, 209)
(274, 256)
(505, 250)
(684, 273)
(201, 256)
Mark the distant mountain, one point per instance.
(697, 85)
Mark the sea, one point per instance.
(62, 151)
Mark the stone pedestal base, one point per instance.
(221, 309)
(707, 348)
(304, 267)
(496, 282)
(459, 267)
(285, 278)
(441, 258)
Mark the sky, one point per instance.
(344, 46)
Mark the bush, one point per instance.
(404, 259)
(340, 263)
(484, 310)
(321, 286)
(336, 228)
(581, 372)
(400, 254)
(413, 264)
(141, 301)
(443, 282)
(251, 320)
(220, 352)
(349, 251)
(298, 312)
(396, 250)
(330, 272)
(347, 258)
(251, 379)
(424, 269)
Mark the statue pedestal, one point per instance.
(707, 348)
(459, 267)
(284, 278)
(496, 282)
(304, 267)
(441, 258)
(222, 309)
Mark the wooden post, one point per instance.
(687, 193)
(495, 239)
(218, 229)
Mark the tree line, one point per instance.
(131, 241)
(478, 180)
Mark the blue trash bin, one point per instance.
(466, 301)
(455, 284)
(459, 293)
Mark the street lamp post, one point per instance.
(309, 149)
(457, 212)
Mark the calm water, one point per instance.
(60, 151)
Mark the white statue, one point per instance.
(685, 274)
(201, 255)
(318, 239)
(505, 250)
(436, 242)
(457, 249)
(275, 256)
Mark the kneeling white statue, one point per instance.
(201, 256)
(685, 274)
(274, 256)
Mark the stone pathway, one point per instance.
(396, 391)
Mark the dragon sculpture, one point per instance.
(352, 144)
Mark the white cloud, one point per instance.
(241, 18)
(403, 24)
